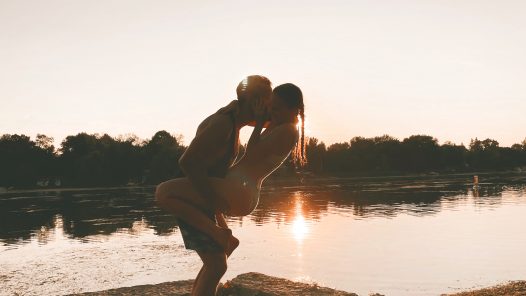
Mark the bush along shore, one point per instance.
(257, 284)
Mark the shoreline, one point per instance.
(254, 284)
(286, 178)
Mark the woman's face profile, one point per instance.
(279, 111)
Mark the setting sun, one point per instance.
(307, 125)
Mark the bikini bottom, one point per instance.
(248, 188)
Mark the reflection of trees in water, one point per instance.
(82, 213)
(279, 206)
(109, 213)
(21, 216)
(282, 207)
(376, 199)
(79, 214)
(489, 195)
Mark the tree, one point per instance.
(100, 160)
(45, 143)
(453, 157)
(162, 154)
(484, 154)
(420, 152)
(22, 161)
(338, 158)
(316, 153)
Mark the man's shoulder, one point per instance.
(216, 122)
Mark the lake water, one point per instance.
(396, 236)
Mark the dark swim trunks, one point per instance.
(197, 240)
(193, 238)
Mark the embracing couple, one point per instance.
(215, 186)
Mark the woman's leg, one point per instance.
(179, 197)
(234, 242)
(214, 267)
(198, 219)
(236, 196)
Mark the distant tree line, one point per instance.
(415, 154)
(102, 160)
(89, 160)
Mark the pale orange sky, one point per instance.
(450, 69)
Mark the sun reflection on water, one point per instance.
(300, 228)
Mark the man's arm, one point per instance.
(203, 152)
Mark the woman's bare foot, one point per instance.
(224, 235)
(234, 243)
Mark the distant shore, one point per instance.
(273, 180)
(259, 284)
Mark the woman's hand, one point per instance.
(261, 112)
(260, 115)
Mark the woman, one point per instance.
(239, 190)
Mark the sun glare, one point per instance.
(307, 126)
(300, 228)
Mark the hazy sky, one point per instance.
(451, 69)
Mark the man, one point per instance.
(210, 154)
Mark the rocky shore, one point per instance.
(247, 284)
(257, 284)
(517, 288)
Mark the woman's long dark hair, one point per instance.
(293, 98)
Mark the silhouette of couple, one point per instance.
(214, 185)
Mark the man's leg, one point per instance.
(214, 267)
(197, 278)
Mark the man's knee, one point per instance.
(216, 264)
